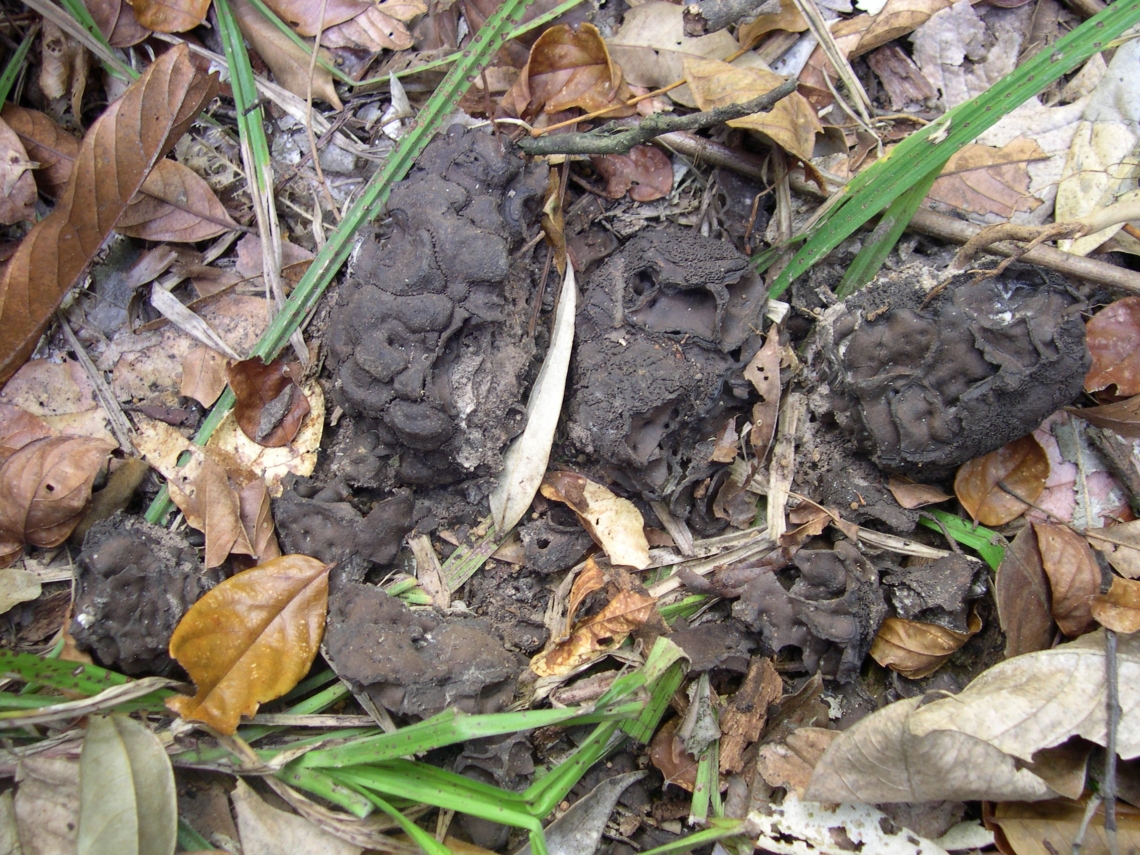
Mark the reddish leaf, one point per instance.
(1074, 576)
(270, 406)
(251, 639)
(170, 16)
(114, 159)
(667, 752)
(19, 427)
(45, 487)
(1113, 338)
(1122, 417)
(176, 204)
(645, 173)
(17, 184)
(992, 488)
(47, 143)
(1024, 602)
(1119, 609)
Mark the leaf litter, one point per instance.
(669, 486)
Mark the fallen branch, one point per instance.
(612, 138)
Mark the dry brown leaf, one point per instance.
(645, 173)
(1024, 602)
(589, 580)
(57, 61)
(553, 221)
(789, 763)
(744, 718)
(726, 441)
(18, 427)
(116, 20)
(594, 637)
(791, 124)
(1113, 339)
(17, 184)
(996, 488)
(203, 375)
(289, 63)
(1121, 417)
(251, 639)
(614, 523)
(1120, 545)
(992, 184)
(47, 143)
(915, 649)
(305, 17)
(1038, 828)
(45, 487)
(62, 395)
(257, 520)
(910, 494)
(897, 18)
(176, 204)
(788, 19)
(170, 16)
(114, 159)
(763, 372)
(270, 406)
(378, 27)
(567, 68)
(1074, 576)
(1119, 609)
(667, 752)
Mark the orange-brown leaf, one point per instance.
(1024, 600)
(645, 173)
(116, 20)
(19, 427)
(17, 183)
(992, 488)
(1119, 609)
(1074, 576)
(251, 639)
(176, 204)
(1113, 339)
(667, 752)
(47, 143)
(595, 636)
(270, 406)
(257, 520)
(45, 486)
(114, 160)
(917, 649)
(910, 494)
(203, 375)
(170, 16)
(589, 580)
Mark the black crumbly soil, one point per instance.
(134, 582)
(429, 335)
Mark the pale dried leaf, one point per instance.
(48, 144)
(47, 804)
(614, 523)
(763, 372)
(17, 184)
(1119, 609)
(61, 395)
(1026, 827)
(897, 18)
(17, 585)
(203, 375)
(987, 184)
(595, 636)
(1120, 545)
(265, 830)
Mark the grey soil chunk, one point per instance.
(721, 644)
(925, 388)
(831, 612)
(416, 664)
(336, 531)
(662, 324)
(939, 593)
(550, 548)
(134, 582)
(429, 334)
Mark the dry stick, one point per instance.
(708, 16)
(614, 139)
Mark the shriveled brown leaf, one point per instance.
(251, 639)
(17, 184)
(553, 221)
(667, 752)
(992, 488)
(114, 160)
(1119, 609)
(1121, 417)
(176, 205)
(257, 520)
(789, 762)
(45, 486)
(170, 16)
(19, 427)
(270, 406)
(788, 19)
(614, 523)
(203, 375)
(1074, 576)
(1024, 601)
(645, 173)
(792, 124)
(47, 143)
(290, 64)
(1120, 545)
(567, 68)
(895, 19)
(910, 494)
(763, 372)
(990, 182)
(116, 20)
(1113, 339)
(915, 649)
(378, 27)
(744, 718)
(589, 580)
(595, 636)
(725, 449)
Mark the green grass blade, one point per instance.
(544, 794)
(929, 149)
(420, 837)
(335, 252)
(721, 828)
(321, 784)
(16, 64)
(984, 541)
(884, 236)
(58, 674)
(643, 728)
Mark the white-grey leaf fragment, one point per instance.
(579, 830)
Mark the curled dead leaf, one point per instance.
(270, 406)
(594, 637)
(667, 752)
(645, 173)
(998, 487)
(17, 184)
(45, 486)
(1119, 609)
(176, 204)
(47, 143)
(915, 649)
(251, 639)
(614, 523)
(763, 372)
(1074, 576)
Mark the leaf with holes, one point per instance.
(997, 488)
(593, 637)
(251, 639)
